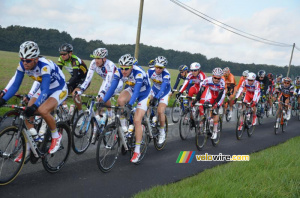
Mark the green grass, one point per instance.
(273, 172)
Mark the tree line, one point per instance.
(49, 40)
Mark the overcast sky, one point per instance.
(168, 26)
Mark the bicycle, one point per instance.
(244, 121)
(295, 104)
(186, 124)
(206, 129)
(261, 110)
(154, 128)
(113, 137)
(13, 142)
(280, 120)
(226, 109)
(178, 108)
(82, 134)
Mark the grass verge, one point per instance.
(273, 172)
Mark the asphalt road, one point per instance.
(81, 177)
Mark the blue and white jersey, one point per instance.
(161, 83)
(46, 72)
(138, 82)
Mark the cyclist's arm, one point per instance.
(10, 83)
(256, 93)
(88, 78)
(240, 90)
(35, 87)
(184, 86)
(220, 97)
(136, 89)
(75, 75)
(266, 85)
(177, 82)
(166, 82)
(105, 84)
(15, 85)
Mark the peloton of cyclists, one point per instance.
(230, 87)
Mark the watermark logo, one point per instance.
(185, 156)
(228, 158)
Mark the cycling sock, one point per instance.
(162, 130)
(109, 113)
(137, 147)
(123, 122)
(54, 133)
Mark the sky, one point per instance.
(169, 26)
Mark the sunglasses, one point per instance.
(250, 80)
(194, 70)
(125, 68)
(26, 60)
(261, 77)
(159, 67)
(217, 78)
(287, 83)
(63, 54)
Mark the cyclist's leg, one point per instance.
(123, 99)
(55, 99)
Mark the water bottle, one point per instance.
(211, 122)
(66, 108)
(98, 119)
(154, 120)
(130, 130)
(185, 102)
(71, 111)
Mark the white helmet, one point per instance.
(99, 53)
(245, 73)
(217, 72)
(161, 61)
(195, 66)
(226, 69)
(251, 76)
(29, 50)
(126, 59)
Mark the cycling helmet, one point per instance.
(151, 63)
(161, 61)
(245, 73)
(270, 75)
(226, 69)
(195, 66)
(217, 72)
(251, 76)
(279, 76)
(261, 73)
(135, 61)
(66, 47)
(99, 53)
(126, 59)
(288, 79)
(29, 50)
(183, 68)
(298, 78)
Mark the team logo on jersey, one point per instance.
(167, 76)
(62, 95)
(157, 81)
(139, 75)
(38, 78)
(45, 69)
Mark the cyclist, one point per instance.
(139, 89)
(242, 79)
(213, 91)
(194, 78)
(151, 64)
(270, 91)
(183, 71)
(52, 92)
(161, 89)
(229, 86)
(297, 90)
(105, 69)
(264, 85)
(285, 92)
(252, 93)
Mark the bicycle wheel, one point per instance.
(184, 126)
(9, 169)
(108, 148)
(10, 118)
(82, 134)
(284, 125)
(239, 133)
(216, 141)
(54, 162)
(294, 108)
(176, 111)
(161, 146)
(144, 143)
(276, 130)
(201, 135)
(227, 115)
(250, 127)
(274, 109)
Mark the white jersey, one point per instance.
(106, 72)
